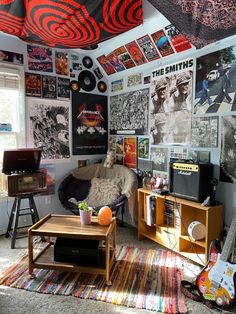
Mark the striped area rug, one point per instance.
(141, 278)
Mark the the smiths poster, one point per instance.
(171, 102)
(89, 124)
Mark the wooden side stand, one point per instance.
(70, 227)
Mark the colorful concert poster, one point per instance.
(130, 152)
(143, 147)
(148, 48)
(12, 57)
(125, 58)
(135, 53)
(114, 60)
(178, 40)
(33, 85)
(63, 88)
(39, 58)
(62, 63)
(49, 86)
(105, 64)
(162, 43)
(89, 124)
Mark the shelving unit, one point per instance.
(174, 235)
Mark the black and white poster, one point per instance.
(159, 156)
(171, 103)
(228, 149)
(89, 124)
(49, 86)
(129, 113)
(205, 132)
(216, 82)
(48, 128)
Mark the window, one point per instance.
(12, 110)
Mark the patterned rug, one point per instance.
(141, 278)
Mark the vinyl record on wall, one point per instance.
(87, 81)
(87, 62)
(102, 86)
(74, 86)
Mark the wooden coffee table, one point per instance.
(66, 226)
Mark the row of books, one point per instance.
(171, 212)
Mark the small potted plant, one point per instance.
(85, 212)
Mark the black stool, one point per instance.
(16, 212)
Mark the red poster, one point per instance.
(135, 53)
(107, 67)
(130, 152)
(179, 42)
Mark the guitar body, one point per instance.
(217, 281)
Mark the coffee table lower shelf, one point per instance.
(45, 260)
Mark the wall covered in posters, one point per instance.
(89, 124)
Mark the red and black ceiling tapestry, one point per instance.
(69, 23)
(200, 21)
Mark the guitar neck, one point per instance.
(227, 249)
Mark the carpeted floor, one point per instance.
(23, 302)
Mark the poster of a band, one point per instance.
(63, 88)
(39, 58)
(171, 103)
(33, 85)
(228, 149)
(48, 128)
(49, 86)
(216, 82)
(129, 113)
(89, 124)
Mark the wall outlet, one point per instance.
(48, 199)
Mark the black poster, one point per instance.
(49, 86)
(89, 124)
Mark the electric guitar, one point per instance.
(217, 281)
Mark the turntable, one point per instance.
(22, 179)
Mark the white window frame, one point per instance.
(20, 129)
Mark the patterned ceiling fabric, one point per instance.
(201, 21)
(69, 23)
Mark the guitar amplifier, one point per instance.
(24, 183)
(191, 180)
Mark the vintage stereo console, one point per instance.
(25, 183)
(190, 180)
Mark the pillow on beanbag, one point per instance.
(102, 192)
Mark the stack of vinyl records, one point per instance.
(169, 213)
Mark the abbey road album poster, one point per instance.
(228, 149)
(89, 124)
(204, 132)
(49, 128)
(129, 113)
(171, 103)
(216, 82)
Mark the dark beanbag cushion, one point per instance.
(77, 189)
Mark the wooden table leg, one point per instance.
(30, 255)
(108, 282)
